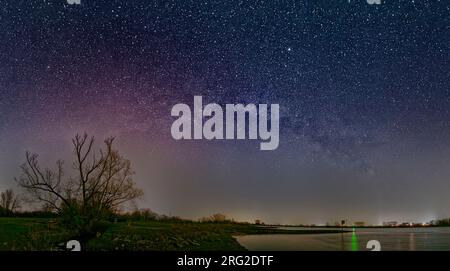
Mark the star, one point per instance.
(351, 98)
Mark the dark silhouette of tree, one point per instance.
(9, 202)
(101, 184)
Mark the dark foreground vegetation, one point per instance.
(32, 233)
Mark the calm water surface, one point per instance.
(390, 239)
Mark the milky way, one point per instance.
(363, 92)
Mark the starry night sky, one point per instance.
(363, 89)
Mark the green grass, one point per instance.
(156, 235)
(29, 234)
(45, 234)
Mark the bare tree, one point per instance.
(102, 182)
(45, 185)
(9, 201)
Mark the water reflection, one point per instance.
(412, 241)
(390, 239)
(354, 241)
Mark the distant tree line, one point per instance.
(9, 203)
(217, 218)
(441, 222)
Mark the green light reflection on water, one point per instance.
(355, 246)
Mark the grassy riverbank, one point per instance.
(48, 234)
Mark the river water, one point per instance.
(389, 239)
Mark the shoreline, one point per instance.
(44, 234)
